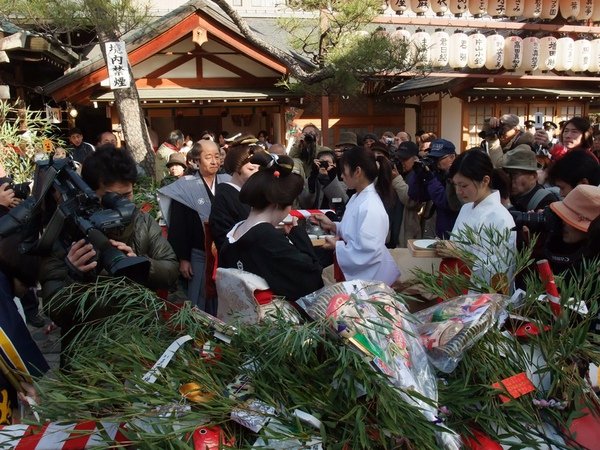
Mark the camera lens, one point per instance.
(324, 164)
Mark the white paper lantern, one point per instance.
(547, 53)
(595, 56)
(513, 52)
(494, 57)
(420, 47)
(478, 7)
(400, 34)
(549, 9)
(459, 50)
(514, 8)
(439, 7)
(531, 54)
(582, 55)
(586, 8)
(440, 48)
(497, 8)
(532, 9)
(569, 9)
(402, 37)
(477, 50)
(565, 53)
(458, 7)
(399, 6)
(419, 6)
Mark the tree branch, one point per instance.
(292, 63)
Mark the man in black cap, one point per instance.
(530, 126)
(431, 182)
(545, 137)
(503, 134)
(550, 128)
(404, 160)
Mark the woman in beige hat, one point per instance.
(576, 238)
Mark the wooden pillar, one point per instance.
(325, 120)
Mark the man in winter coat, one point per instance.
(107, 170)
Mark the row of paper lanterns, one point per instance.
(476, 51)
(529, 9)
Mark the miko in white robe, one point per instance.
(491, 257)
(361, 252)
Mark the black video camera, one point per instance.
(324, 164)
(66, 209)
(21, 190)
(537, 222)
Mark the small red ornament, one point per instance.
(276, 174)
(211, 438)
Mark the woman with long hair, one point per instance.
(283, 256)
(359, 240)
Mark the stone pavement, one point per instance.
(48, 340)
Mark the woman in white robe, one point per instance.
(484, 225)
(359, 240)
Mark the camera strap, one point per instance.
(537, 198)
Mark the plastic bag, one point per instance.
(369, 316)
(450, 328)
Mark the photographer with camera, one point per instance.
(431, 182)
(503, 134)
(108, 171)
(573, 227)
(307, 148)
(323, 184)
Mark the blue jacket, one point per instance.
(435, 188)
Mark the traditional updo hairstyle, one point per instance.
(239, 153)
(275, 183)
(474, 165)
(583, 125)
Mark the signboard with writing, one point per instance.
(117, 64)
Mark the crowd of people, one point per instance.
(372, 194)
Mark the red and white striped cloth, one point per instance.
(54, 436)
(306, 213)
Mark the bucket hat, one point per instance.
(579, 207)
(522, 157)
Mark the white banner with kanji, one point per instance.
(117, 64)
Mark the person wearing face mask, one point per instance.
(186, 204)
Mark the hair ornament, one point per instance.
(276, 174)
(274, 159)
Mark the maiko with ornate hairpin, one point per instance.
(284, 257)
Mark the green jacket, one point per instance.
(144, 236)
